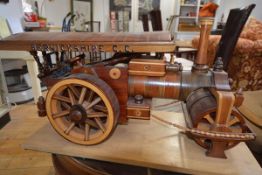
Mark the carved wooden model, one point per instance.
(85, 102)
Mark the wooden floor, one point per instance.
(13, 159)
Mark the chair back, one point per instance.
(145, 22)
(156, 20)
(234, 25)
(4, 28)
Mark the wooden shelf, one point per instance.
(186, 32)
(187, 17)
(188, 5)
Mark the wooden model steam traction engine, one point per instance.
(85, 102)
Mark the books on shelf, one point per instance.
(188, 27)
(113, 21)
(188, 2)
(31, 24)
(119, 21)
(126, 21)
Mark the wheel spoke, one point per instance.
(74, 90)
(233, 121)
(87, 129)
(85, 104)
(91, 123)
(96, 114)
(71, 97)
(61, 98)
(100, 108)
(94, 102)
(65, 105)
(209, 119)
(100, 124)
(70, 127)
(61, 114)
(91, 95)
(82, 95)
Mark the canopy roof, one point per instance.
(85, 41)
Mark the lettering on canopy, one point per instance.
(81, 48)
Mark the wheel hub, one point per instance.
(77, 114)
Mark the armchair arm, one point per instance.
(258, 47)
(243, 46)
(16, 55)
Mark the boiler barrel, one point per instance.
(167, 86)
(191, 81)
(176, 85)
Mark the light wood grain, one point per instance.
(14, 160)
(150, 144)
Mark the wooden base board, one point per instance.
(151, 144)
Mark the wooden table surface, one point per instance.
(151, 144)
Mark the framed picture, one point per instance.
(145, 6)
(83, 11)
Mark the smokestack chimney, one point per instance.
(201, 61)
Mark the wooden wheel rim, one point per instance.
(76, 135)
(230, 144)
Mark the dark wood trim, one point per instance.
(4, 120)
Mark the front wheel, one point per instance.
(83, 109)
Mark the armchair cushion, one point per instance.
(253, 30)
(243, 46)
(258, 47)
